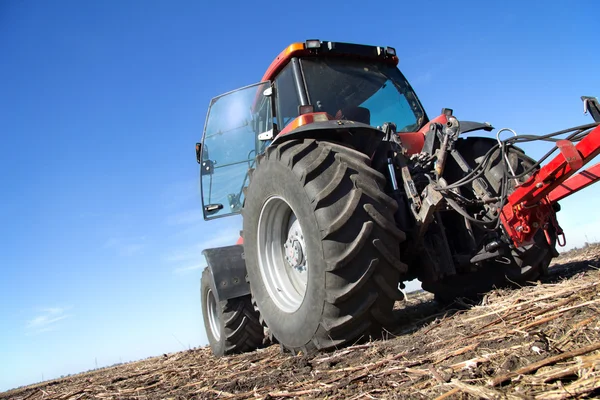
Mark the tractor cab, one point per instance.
(346, 82)
(308, 83)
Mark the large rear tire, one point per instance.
(232, 326)
(321, 247)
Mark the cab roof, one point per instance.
(314, 47)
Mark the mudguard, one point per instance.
(362, 137)
(228, 271)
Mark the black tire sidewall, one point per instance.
(217, 345)
(298, 328)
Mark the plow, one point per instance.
(347, 190)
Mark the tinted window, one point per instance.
(286, 95)
(362, 90)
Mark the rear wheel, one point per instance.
(522, 265)
(525, 265)
(321, 247)
(232, 326)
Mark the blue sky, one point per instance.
(101, 104)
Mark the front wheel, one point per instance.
(232, 326)
(321, 247)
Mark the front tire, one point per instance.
(321, 247)
(232, 326)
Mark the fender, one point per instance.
(362, 137)
(228, 271)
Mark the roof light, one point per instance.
(313, 44)
(390, 51)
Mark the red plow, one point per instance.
(528, 207)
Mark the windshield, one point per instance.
(364, 91)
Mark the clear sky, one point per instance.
(101, 103)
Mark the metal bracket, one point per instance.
(268, 135)
(569, 151)
(431, 202)
(409, 184)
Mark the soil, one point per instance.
(536, 342)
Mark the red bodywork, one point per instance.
(293, 50)
(529, 207)
(413, 141)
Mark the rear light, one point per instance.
(313, 44)
(305, 119)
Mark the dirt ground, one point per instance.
(536, 342)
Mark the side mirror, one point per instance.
(199, 153)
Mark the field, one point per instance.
(535, 342)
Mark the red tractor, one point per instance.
(347, 189)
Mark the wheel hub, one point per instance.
(294, 247)
(293, 253)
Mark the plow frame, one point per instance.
(531, 206)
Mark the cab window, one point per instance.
(287, 98)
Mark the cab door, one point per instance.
(238, 127)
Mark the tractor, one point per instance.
(347, 189)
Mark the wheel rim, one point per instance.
(282, 254)
(213, 316)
